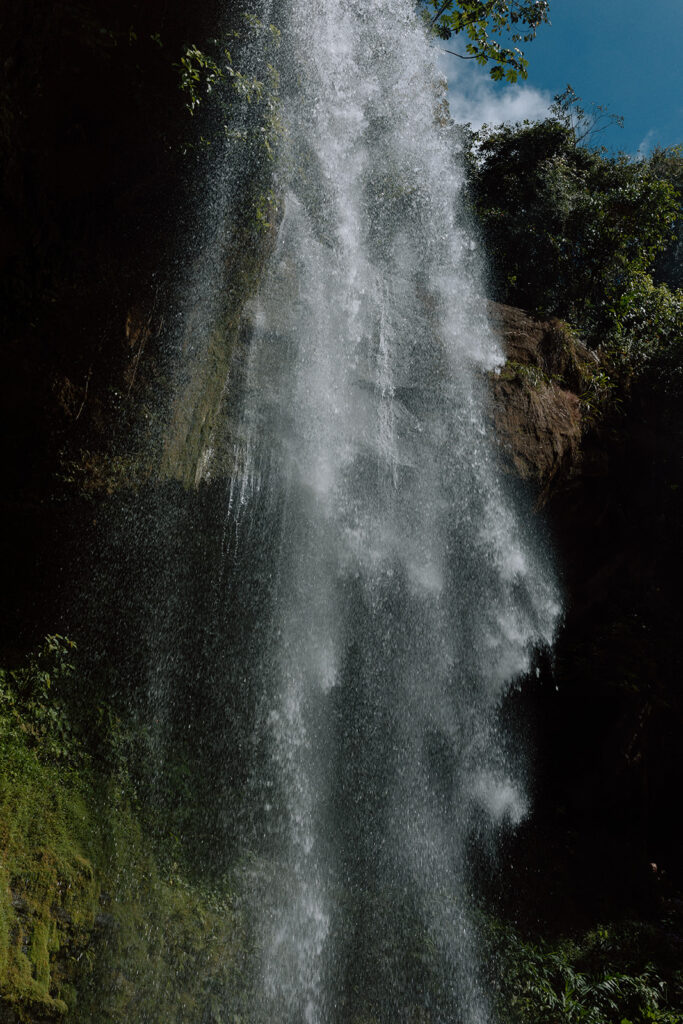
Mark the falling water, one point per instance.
(406, 591)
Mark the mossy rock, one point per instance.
(92, 930)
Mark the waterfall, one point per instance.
(406, 589)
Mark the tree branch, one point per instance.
(440, 11)
(460, 55)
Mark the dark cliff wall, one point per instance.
(95, 204)
(606, 708)
(99, 227)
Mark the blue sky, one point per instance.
(623, 54)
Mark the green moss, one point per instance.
(199, 411)
(39, 955)
(91, 929)
(48, 889)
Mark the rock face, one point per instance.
(100, 232)
(536, 407)
(607, 712)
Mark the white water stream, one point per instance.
(407, 590)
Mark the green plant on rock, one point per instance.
(526, 373)
(32, 700)
(48, 887)
(214, 71)
(98, 923)
(597, 394)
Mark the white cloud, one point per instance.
(474, 98)
(646, 145)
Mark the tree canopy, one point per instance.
(491, 29)
(573, 232)
(667, 165)
(567, 227)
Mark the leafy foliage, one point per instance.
(485, 24)
(647, 337)
(667, 165)
(32, 701)
(575, 233)
(94, 925)
(204, 72)
(567, 227)
(607, 977)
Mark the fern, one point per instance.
(596, 981)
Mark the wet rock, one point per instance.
(536, 406)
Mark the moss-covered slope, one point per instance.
(98, 922)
